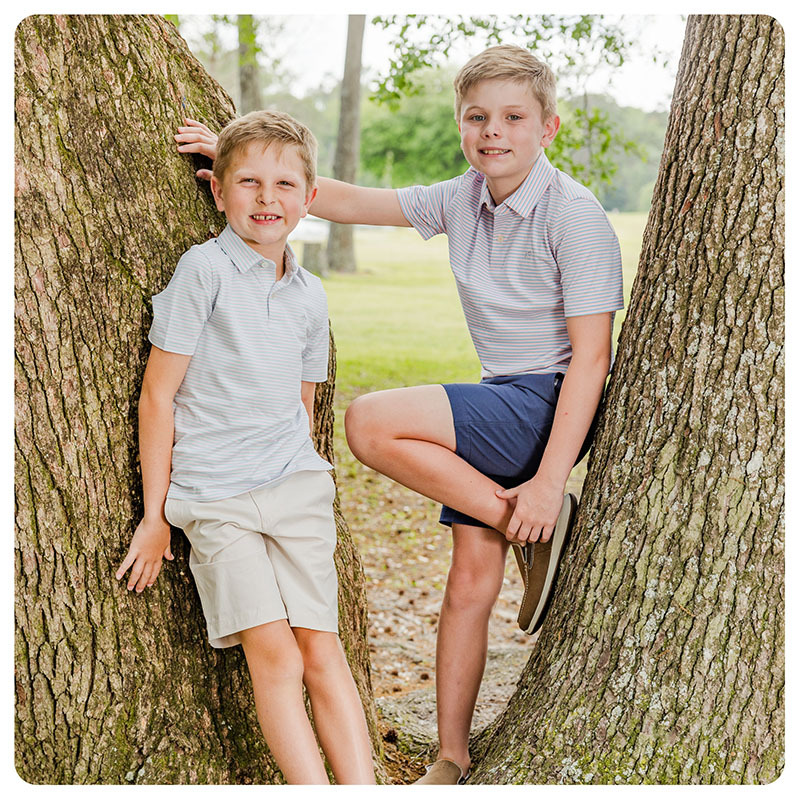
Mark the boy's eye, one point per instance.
(248, 180)
(477, 117)
(286, 183)
(514, 116)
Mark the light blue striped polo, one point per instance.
(239, 419)
(546, 253)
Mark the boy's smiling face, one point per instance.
(503, 133)
(264, 195)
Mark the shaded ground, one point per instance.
(406, 555)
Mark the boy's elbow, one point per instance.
(153, 399)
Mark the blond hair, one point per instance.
(509, 62)
(267, 127)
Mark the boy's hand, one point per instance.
(537, 506)
(197, 138)
(149, 545)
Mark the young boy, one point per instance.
(240, 339)
(539, 275)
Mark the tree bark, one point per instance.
(249, 84)
(114, 687)
(662, 659)
(341, 252)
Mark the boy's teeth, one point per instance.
(264, 216)
(494, 152)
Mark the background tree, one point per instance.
(662, 658)
(114, 687)
(341, 253)
(249, 78)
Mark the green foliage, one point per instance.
(566, 43)
(589, 145)
(417, 141)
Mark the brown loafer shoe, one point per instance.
(539, 562)
(443, 772)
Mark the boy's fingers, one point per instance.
(507, 493)
(123, 567)
(204, 174)
(135, 574)
(154, 573)
(144, 580)
(168, 553)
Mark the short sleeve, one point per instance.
(424, 207)
(315, 353)
(181, 311)
(588, 257)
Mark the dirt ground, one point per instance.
(406, 556)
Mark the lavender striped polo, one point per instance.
(546, 253)
(239, 419)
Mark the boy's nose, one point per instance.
(265, 197)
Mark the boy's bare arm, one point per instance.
(307, 391)
(336, 201)
(538, 501)
(150, 542)
(357, 205)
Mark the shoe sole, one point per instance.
(560, 539)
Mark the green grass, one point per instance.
(398, 320)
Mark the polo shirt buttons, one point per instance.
(500, 237)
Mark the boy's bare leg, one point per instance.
(276, 669)
(473, 584)
(408, 435)
(338, 713)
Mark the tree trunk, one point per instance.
(114, 687)
(662, 659)
(341, 253)
(249, 84)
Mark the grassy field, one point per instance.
(398, 321)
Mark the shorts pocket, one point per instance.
(172, 511)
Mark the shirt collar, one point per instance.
(245, 258)
(529, 192)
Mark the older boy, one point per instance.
(538, 271)
(240, 338)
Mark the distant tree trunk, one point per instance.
(114, 687)
(662, 659)
(249, 87)
(341, 253)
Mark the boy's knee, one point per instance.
(361, 425)
(470, 586)
(320, 652)
(275, 660)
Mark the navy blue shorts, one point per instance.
(502, 426)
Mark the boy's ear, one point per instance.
(216, 190)
(309, 200)
(550, 130)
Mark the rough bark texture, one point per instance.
(662, 659)
(341, 252)
(114, 687)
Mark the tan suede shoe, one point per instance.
(443, 771)
(538, 563)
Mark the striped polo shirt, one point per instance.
(239, 419)
(546, 253)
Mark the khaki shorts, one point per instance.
(264, 555)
